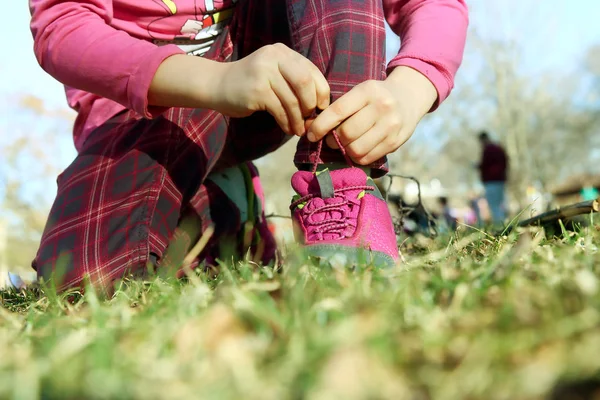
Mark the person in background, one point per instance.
(493, 171)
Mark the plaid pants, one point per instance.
(129, 195)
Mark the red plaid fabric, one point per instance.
(137, 192)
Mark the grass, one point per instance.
(466, 316)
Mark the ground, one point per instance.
(467, 316)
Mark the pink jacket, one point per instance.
(93, 47)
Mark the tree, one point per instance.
(545, 120)
(35, 145)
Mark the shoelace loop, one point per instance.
(320, 148)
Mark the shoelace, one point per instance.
(340, 145)
(331, 225)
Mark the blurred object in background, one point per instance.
(10, 280)
(576, 188)
(538, 201)
(589, 193)
(35, 146)
(448, 215)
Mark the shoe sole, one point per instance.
(349, 256)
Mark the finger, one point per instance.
(321, 84)
(276, 109)
(298, 71)
(303, 84)
(357, 125)
(308, 122)
(388, 140)
(335, 114)
(322, 87)
(377, 153)
(366, 143)
(290, 103)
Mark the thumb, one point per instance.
(329, 139)
(308, 122)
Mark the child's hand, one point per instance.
(275, 79)
(375, 118)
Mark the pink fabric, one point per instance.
(101, 50)
(346, 219)
(433, 34)
(258, 189)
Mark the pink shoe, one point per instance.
(341, 214)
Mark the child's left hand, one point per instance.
(375, 118)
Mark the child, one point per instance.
(165, 140)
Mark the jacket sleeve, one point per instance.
(75, 43)
(433, 35)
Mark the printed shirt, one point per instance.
(192, 25)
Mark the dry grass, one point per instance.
(464, 317)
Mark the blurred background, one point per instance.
(530, 77)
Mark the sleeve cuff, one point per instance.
(139, 82)
(436, 74)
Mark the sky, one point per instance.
(554, 36)
(554, 32)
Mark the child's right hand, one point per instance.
(275, 79)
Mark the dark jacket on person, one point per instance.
(494, 163)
